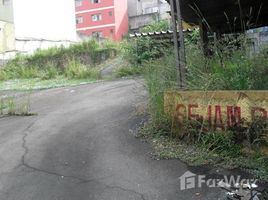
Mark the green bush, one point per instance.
(144, 49)
(140, 50)
(48, 64)
(160, 75)
(110, 44)
(162, 25)
(192, 38)
(26, 72)
(221, 143)
(254, 133)
(231, 67)
(50, 72)
(128, 71)
(76, 70)
(3, 75)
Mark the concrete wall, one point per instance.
(218, 109)
(121, 18)
(6, 12)
(258, 40)
(136, 22)
(144, 12)
(49, 19)
(7, 37)
(29, 46)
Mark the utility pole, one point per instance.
(179, 45)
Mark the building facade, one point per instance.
(102, 18)
(29, 25)
(143, 12)
(7, 37)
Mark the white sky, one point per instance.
(48, 19)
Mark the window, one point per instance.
(79, 20)
(110, 13)
(97, 34)
(78, 3)
(151, 10)
(6, 2)
(95, 1)
(111, 32)
(96, 17)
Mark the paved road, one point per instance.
(80, 147)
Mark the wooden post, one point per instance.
(182, 58)
(176, 42)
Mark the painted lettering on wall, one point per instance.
(217, 116)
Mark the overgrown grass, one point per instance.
(160, 75)
(76, 70)
(38, 83)
(231, 67)
(214, 148)
(78, 61)
(15, 106)
(127, 71)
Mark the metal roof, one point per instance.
(162, 34)
(226, 16)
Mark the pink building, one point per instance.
(102, 18)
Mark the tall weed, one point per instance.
(160, 75)
(49, 63)
(76, 70)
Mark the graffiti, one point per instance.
(217, 116)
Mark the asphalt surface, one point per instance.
(81, 146)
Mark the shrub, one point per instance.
(3, 75)
(49, 63)
(192, 38)
(110, 44)
(160, 75)
(94, 73)
(76, 70)
(162, 25)
(26, 72)
(50, 72)
(231, 67)
(254, 134)
(128, 71)
(221, 143)
(140, 50)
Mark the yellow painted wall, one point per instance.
(218, 108)
(7, 37)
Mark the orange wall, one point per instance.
(121, 18)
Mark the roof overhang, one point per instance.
(226, 16)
